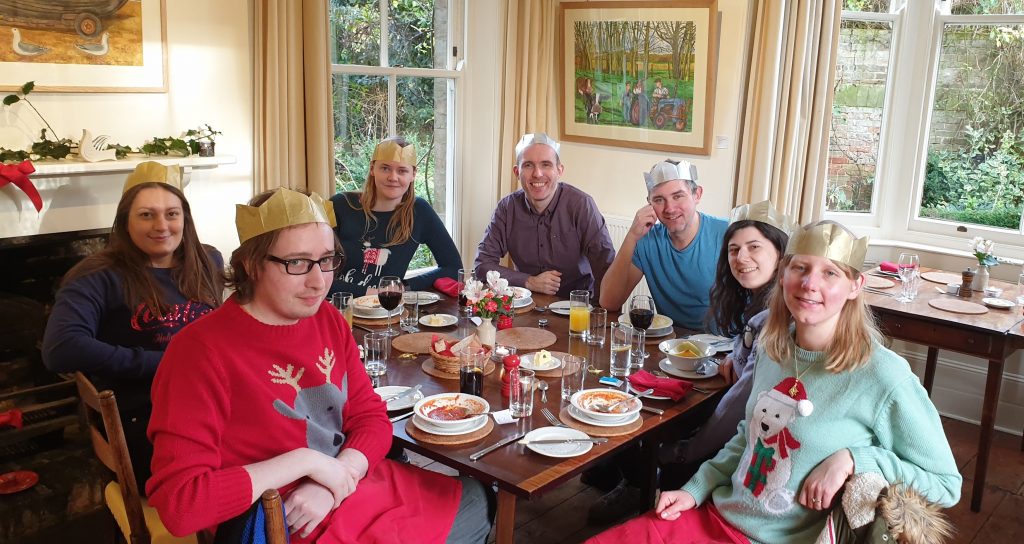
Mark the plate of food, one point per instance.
(438, 320)
(590, 401)
(452, 411)
(368, 307)
(541, 360)
(581, 416)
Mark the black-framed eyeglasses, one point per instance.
(299, 267)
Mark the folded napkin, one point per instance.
(447, 286)
(886, 266)
(663, 387)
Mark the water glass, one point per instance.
(621, 345)
(637, 350)
(1020, 290)
(471, 371)
(598, 321)
(572, 375)
(908, 266)
(464, 276)
(579, 313)
(411, 317)
(376, 350)
(521, 385)
(343, 303)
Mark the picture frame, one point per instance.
(669, 47)
(65, 66)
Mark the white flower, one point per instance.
(474, 290)
(989, 246)
(498, 284)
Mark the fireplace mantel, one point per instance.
(78, 167)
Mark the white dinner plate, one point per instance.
(667, 368)
(526, 361)
(571, 449)
(521, 292)
(426, 297)
(562, 307)
(579, 415)
(522, 302)
(631, 389)
(398, 404)
(438, 320)
(475, 423)
(374, 313)
(719, 343)
(661, 325)
(998, 303)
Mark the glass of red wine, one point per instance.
(641, 314)
(390, 292)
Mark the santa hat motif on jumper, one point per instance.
(791, 391)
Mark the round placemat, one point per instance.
(417, 342)
(594, 430)
(525, 338)
(957, 306)
(448, 440)
(942, 277)
(379, 321)
(428, 367)
(526, 309)
(877, 282)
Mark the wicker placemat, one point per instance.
(595, 430)
(878, 282)
(448, 440)
(942, 277)
(525, 338)
(378, 321)
(417, 342)
(428, 367)
(526, 309)
(957, 306)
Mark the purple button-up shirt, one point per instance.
(569, 236)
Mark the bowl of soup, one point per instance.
(588, 401)
(451, 411)
(686, 354)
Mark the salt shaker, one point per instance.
(966, 282)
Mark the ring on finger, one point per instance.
(816, 501)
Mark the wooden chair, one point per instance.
(273, 511)
(139, 522)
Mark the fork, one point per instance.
(552, 419)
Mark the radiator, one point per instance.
(617, 229)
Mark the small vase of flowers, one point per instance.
(489, 301)
(982, 250)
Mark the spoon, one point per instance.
(543, 386)
(594, 370)
(541, 309)
(607, 408)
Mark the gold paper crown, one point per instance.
(763, 212)
(285, 208)
(152, 171)
(669, 170)
(389, 150)
(830, 240)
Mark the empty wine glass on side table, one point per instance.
(641, 315)
(908, 266)
(390, 292)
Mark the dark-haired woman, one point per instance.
(382, 227)
(117, 309)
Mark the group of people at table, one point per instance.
(223, 398)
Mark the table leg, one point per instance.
(929, 369)
(506, 521)
(989, 406)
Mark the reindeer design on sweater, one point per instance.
(320, 406)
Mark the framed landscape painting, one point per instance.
(639, 74)
(84, 45)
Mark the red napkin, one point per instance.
(663, 387)
(447, 286)
(886, 266)
(11, 418)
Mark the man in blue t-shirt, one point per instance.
(672, 245)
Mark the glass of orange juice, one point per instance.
(579, 313)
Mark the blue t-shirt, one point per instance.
(680, 280)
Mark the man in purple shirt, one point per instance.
(554, 233)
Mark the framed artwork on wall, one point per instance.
(639, 74)
(84, 45)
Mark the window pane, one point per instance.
(862, 71)
(987, 7)
(975, 163)
(356, 26)
(423, 119)
(360, 121)
(875, 6)
(418, 33)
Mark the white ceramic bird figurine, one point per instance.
(94, 149)
(97, 49)
(26, 49)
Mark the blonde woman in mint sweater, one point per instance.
(828, 401)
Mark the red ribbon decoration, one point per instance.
(18, 175)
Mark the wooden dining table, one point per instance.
(994, 335)
(520, 473)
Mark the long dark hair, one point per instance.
(731, 303)
(195, 273)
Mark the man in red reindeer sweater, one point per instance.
(268, 392)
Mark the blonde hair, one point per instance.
(399, 228)
(855, 336)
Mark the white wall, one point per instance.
(210, 81)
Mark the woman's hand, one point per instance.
(825, 480)
(673, 503)
(306, 506)
(339, 477)
(728, 371)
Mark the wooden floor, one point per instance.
(560, 516)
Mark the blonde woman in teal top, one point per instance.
(828, 401)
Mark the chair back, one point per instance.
(273, 513)
(100, 409)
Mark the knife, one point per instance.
(411, 392)
(503, 442)
(564, 441)
(403, 416)
(652, 410)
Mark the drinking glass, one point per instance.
(390, 292)
(521, 392)
(579, 313)
(572, 375)
(343, 303)
(621, 336)
(464, 275)
(471, 371)
(598, 320)
(411, 317)
(641, 315)
(908, 267)
(376, 349)
(637, 350)
(1020, 290)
